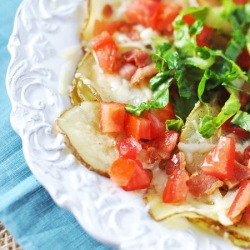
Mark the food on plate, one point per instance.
(160, 103)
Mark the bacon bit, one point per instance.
(107, 10)
(139, 57)
(127, 70)
(246, 215)
(247, 155)
(230, 184)
(241, 172)
(201, 184)
(178, 161)
(243, 96)
(130, 31)
(143, 73)
(153, 155)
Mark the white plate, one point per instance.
(43, 30)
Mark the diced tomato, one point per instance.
(129, 174)
(156, 127)
(109, 26)
(238, 131)
(112, 117)
(164, 114)
(138, 127)
(241, 200)
(142, 11)
(246, 215)
(165, 142)
(128, 148)
(220, 160)
(176, 189)
(164, 16)
(201, 184)
(105, 49)
(188, 19)
(243, 59)
(203, 37)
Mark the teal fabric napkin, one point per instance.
(26, 208)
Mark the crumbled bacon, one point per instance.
(200, 184)
(241, 172)
(130, 31)
(139, 57)
(161, 147)
(143, 73)
(178, 161)
(127, 70)
(107, 10)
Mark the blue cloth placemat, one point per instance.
(26, 208)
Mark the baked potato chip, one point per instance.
(94, 149)
(91, 84)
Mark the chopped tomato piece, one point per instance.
(164, 114)
(165, 142)
(164, 16)
(188, 19)
(156, 127)
(128, 148)
(112, 117)
(203, 37)
(176, 189)
(220, 160)
(129, 174)
(105, 49)
(238, 131)
(241, 200)
(142, 11)
(243, 59)
(201, 184)
(109, 26)
(137, 127)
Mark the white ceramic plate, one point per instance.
(43, 30)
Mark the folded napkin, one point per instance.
(26, 208)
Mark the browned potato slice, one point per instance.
(92, 84)
(214, 207)
(94, 149)
(239, 235)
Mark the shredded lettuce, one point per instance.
(209, 124)
(198, 72)
(242, 119)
